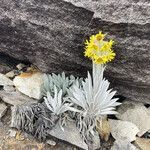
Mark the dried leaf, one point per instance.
(143, 143)
(103, 128)
(19, 136)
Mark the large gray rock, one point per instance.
(47, 33)
(117, 11)
(50, 35)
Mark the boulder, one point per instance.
(10, 74)
(50, 35)
(9, 88)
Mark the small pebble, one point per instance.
(12, 133)
(20, 66)
(51, 142)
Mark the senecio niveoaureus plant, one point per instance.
(93, 98)
(68, 98)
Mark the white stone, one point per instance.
(123, 145)
(30, 85)
(12, 133)
(51, 142)
(123, 130)
(20, 66)
(4, 80)
(136, 113)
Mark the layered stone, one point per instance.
(50, 34)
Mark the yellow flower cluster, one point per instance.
(98, 50)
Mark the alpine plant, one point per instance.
(94, 98)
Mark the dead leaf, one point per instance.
(103, 128)
(19, 136)
(143, 143)
(40, 146)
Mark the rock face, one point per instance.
(117, 11)
(50, 35)
(47, 33)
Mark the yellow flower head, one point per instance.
(99, 50)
